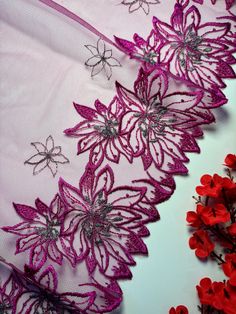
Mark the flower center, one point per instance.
(108, 130)
(190, 49)
(192, 40)
(98, 222)
(154, 119)
(147, 56)
(47, 303)
(4, 308)
(48, 156)
(50, 231)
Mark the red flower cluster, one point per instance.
(208, 215)
(214, 228)
(229, 268)
(215, 186)
(214, 212)
(201, 242)
(218, 295)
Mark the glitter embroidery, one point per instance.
(41, 233)
(102, 60)
(48, 156)
(98, 226)
(106, 220)
(187, 48)
(135, 5)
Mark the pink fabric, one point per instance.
(91, 225)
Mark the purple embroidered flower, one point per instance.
(158, 120)
(100, 129)
(229, 3)
(36, 291)
(101, 60)
(135, 5)
(106, 222)
(41, 233)
(146, 51)
(39, 295)
(48, 156)
(8, 293)
(194, 51)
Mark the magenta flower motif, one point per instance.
(8, 293)
(228, 3)
(36, 291)
(160, 122)
(41, 233)
(107, 223)
(100, 129)
(146, 51)
(39, 295)
(194, 51)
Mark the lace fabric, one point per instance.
(94, 228)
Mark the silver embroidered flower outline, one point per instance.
(48, 156)
(135, 5)
(101, 59)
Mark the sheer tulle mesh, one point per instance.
(130, 148)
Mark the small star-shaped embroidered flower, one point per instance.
(101, 60)
(48, 156)
(135, 5)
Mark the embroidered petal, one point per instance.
(48, 278)
(38, 257)
(40, 147)
(50, 143)
(92, 49)
(25, 243)
(53, 166)
(41, 166)
(61, 159)
(26, 212)
(36, 159)
(93, 61)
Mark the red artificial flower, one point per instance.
(205, 291)
(232, 229)
(211, 186)
(230, 161)
(193, 218)
(230, 303)
(212, 215)
(225, 297)
(219, 295)
(180, 309)
(201, 242)
(229, 268)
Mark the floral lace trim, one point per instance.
(156, 122)
(98, 227)
(35, 291)
(186, 48)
